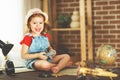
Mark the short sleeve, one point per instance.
(26, 40)
(48, 36)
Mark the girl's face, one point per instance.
(37, 25)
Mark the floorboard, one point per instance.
(34, 75)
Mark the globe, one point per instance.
(106, 55)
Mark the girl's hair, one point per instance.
(46, 26)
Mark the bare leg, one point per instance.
(69, 64)
(62, 62)
(43, 65)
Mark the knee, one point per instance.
(67, 56)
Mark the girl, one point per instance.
(35, 44)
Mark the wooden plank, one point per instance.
(45, 6)
(54, 13)
(54, 25)
(89, 29)
(83, 30)
(65, 29)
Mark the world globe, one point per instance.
(106, 55)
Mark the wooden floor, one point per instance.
(35, 75)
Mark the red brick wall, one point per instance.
(106, 25)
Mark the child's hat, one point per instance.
(34, 11)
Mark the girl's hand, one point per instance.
(42, 55)
(53, 52)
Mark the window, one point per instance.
(11, 20)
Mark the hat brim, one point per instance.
(33, 11)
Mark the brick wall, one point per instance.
(106, 25)
(106, 22)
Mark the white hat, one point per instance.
(34, 11)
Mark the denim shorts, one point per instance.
(29, 63)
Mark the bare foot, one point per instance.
(55, 70)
